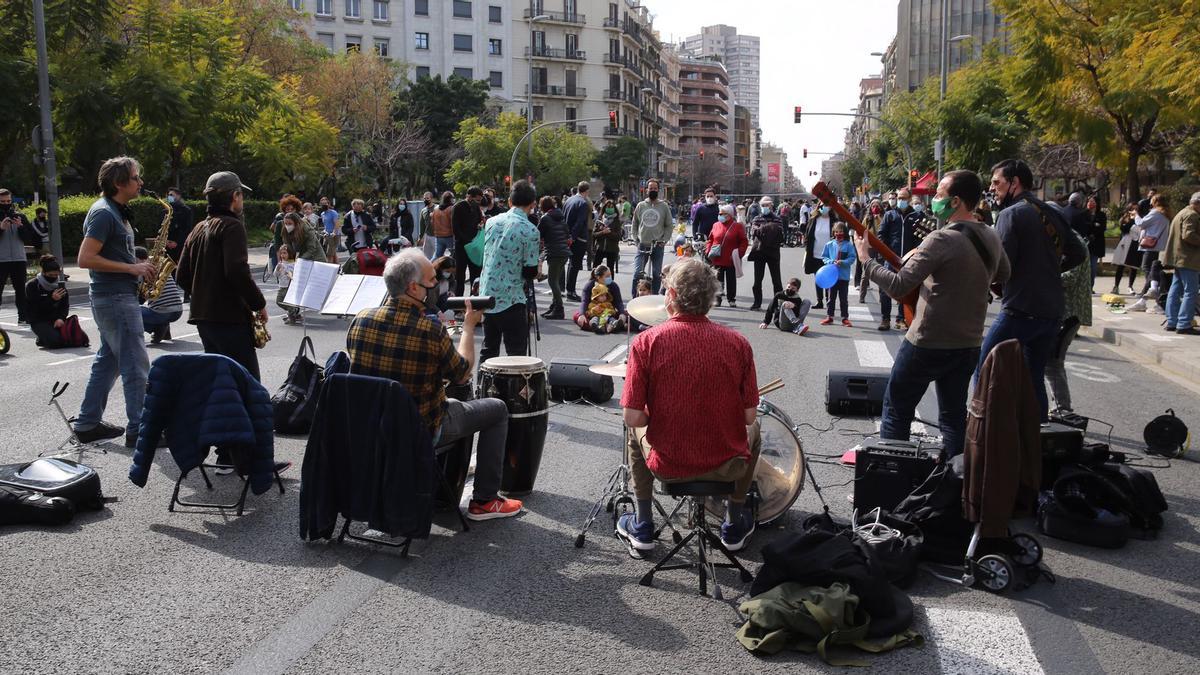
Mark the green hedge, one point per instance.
(147, 215)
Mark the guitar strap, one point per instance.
(975, 241)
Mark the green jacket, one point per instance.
(1183, 241)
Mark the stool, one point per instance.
(240, 504)
(694, 494)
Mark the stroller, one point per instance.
(954, 551)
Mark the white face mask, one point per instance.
(710, 200)
(289, 228)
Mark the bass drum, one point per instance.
(779, 475)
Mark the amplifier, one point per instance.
(570, 380)
(1061, 446)
(1069, 419)
(885, 472)
(855, 392)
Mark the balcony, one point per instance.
(704, 132)
(577, 129)
(704, 117)
(706, 102)
(558, 17)
(618, 95)
(609, 131)
(557, 91)
(629, 64)
(552, 54)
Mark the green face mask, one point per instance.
(941, 208)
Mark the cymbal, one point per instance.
(649, 309)
(609, 369)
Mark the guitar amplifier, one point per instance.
(570, 380)
(1069, 419)
(858, 392)
(1061, 446)
(885, 472)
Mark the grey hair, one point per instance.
(766, 198)
(403, 269)
(1195, 198)
(695, 285)
(358, 202)
(1076, 199)
(728, 208)
(116, 172)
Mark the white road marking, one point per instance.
(873, 354)
(979, 642)
(916, 428)
(1091, 372)
(75, 358)
(1160, 338)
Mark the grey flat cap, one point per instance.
(224, 181)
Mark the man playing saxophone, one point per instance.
(214, 271)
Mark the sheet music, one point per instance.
(371, 293)
(299, 277)
(317, 284)
(342, 294)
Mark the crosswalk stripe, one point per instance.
(970, 641)
(873, 354)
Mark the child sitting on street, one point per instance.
(284, 271)
(839, 252)
(787, 311)
(601, 309)
(643, 288)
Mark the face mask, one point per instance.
(790, 291)
(289, 228)
(839, 235)
(603, 280)
(875, 210)
(170, 199)
(902, 204)
(52, 278)
(942, 208)
(610, 212)
(766, 210)
(403, 207)
(430, 298)
(824, 210)
(446, 275)
(653, 194)
(710, 200)
(918, 207)
(892, 203)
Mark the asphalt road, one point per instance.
(137, 589)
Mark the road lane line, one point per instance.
(873, 354)
(74, 358)
(980, 642)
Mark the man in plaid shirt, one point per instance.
(399, 342)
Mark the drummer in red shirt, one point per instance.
(676, 436)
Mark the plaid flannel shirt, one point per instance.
(399, 342)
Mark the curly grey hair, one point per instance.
(403, 269)
(695, 285)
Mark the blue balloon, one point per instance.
(827, 276)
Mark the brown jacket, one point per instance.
(1002, 464)
(1183, 241)
(214, 269)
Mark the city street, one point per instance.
(137, 588)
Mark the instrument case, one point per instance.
(56, 477)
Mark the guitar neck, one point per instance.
(822, 192)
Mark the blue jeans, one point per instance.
(442, 245)
(655, 258)
(1037, 338)
(152, 320)
(913, 370)
(1181, 301)
(122, 351)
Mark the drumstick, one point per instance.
(771, 386)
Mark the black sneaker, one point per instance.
(101, 432)
(735, 535)
(1187, 331)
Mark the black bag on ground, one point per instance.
(19, 506)
(57, 477)
(295, 402)
(1146, 501)
(1056, 520)
(896, 557)
(936, 508)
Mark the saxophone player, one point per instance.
(107, 253)
(214, 271)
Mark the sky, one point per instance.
(814, 52)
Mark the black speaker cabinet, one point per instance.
(1062, 445)
(885, 472)
(570, 380)
(858, 392)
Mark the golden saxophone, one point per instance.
(152, 288)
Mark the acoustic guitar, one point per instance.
(908, 302)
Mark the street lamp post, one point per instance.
(46, 144)
(512, 163)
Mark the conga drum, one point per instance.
(454, 461)
(521, 382)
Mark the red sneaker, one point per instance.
(497, 508)
(826, 321)
(847, 324)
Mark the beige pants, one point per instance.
(737, 470)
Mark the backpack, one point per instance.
(370, 261)
(294, 404)
(1145, 499)
(56, 477)
(72, 333)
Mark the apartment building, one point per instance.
(706, 109)
(740, 54)
(870, 102)
(917, 53)
(469, 38)
(743, 137)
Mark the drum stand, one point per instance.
(617, 494)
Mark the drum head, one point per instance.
(514, 364)
(779, 474)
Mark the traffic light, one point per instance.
(747, 174)
(701, 154)
(612, 119)
(806, 153)
(914, 174)
(797, 111)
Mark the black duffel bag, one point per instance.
(295, 403)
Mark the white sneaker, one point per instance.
(1152, 293)
(1139, 306)
(1154, 309)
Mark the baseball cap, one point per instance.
(224, 181)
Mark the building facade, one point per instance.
(919, 34)
(740, 54)
(706, 111)
(870, 102)
(743, 139)
(470, 38)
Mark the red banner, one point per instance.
(772, 172)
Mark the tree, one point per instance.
(622, 160)
(699, 173)
(289, 143)
(1070, 71)
(982, 123)
(561, 158)
(440, 107)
